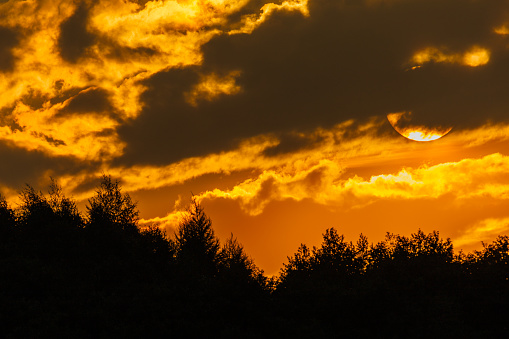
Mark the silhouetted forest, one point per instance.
(98, 274)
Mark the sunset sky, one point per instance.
(274, 115)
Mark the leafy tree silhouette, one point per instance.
(112, 208)
(335, 261)
(412, 278)
(162, 248)
(485, 287)
(297, 271)
(424, 258)
(496, 253)
(337, 258)
(34, 212)
(6, 217)
(64, 208)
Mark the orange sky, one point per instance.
(275, 115)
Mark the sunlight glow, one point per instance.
(416, 133)
(423, 135)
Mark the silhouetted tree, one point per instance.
(497, 253)
(34, 213)
(337, 258)
(7, 219)
(334, 261)
(296, 273)
(111, 279)
(197, 245)
(492, 261)
(419, 247)
(64, 208)
(109, 207)
(158, 244)
(37, 213)
(236, 268)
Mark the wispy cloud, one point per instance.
(483, 231)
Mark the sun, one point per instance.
(416, 133)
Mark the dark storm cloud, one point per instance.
(124, 53)
(64, 95)
(21, 167)
(87, 101)
(349, 59)
(8, 120)
(290, 142)
(8, 39)
(74, 37)
(49, 140)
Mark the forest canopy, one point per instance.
(98, 273)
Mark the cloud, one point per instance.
(110, 49)
(74, 37)
(362, 151)
(80, 137)
(91, 100)
(9, 40)
(213, 86)
(20, 167)
(293, 142)
(476, 56)
(343, 61)
(483, 231)
(168, 223)
(323, 183)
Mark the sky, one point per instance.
(281, 118)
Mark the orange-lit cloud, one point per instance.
(168, 223)
(251, 22)
(212, 86)
(502, 30)
(483, 231)
(323, 183)
(320, 174)
(127, 44)
(333, 154)
(474, 57)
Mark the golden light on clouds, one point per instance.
(432, 54)
(483, 231)
(212, 86)
(323, 183)
(127, 43)
(502, 30)
(318, 174)
(307, 170)
(251, 22)
(474, 57)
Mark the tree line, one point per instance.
(98, 274)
